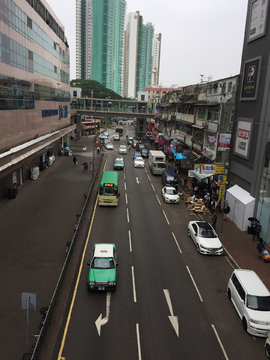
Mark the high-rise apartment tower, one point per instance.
(100, 40)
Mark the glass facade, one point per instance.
(16, 55)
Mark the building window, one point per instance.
(216, 116)
(230, 87)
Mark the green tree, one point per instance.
(99, 91)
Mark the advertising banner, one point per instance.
(224, 142)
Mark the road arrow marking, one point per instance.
(173, 319)
(99, 322)
(137, 180)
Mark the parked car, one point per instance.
(169, 177)
(102, 272)
(205, 238)
(116, 136)
(106, 133)
(138, 162)
(109, 145)
(122, 149)
(140, 146)
(107, 140)
(136, 154)
(251, 299)
(119, 164)
(170, 195)
(144, 153)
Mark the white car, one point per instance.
(122, 149)
(109, 145)
(139, 162)
(116, 136)
(205, 238)
(170, 195)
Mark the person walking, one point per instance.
(226, 211)
(257, 230)
(260, 247)
(74, 160)
(85, 166)
(214, 221)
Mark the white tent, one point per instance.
(241, 206)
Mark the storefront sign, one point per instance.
(224, 142)
(49, 112)
(212, 139)
(222, 179)
(212, 169)
(257, 25)
(250, 82)
(222, 192)
(219, 169)
(243, 138)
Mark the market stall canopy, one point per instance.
(200, 176)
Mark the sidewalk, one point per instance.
(35, 227)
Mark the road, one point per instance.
(170, 301)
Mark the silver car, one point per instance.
(122, 149)
(138, 162)
(170, 195)
(109, 146)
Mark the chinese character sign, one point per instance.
(243, 138)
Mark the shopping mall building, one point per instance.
(34, 89)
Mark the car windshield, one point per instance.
(171, 191)
(102, 263)
(160, 165)
(119, 161)
(122, 147)
(260, 303)
(139, 159)
(207, 232)
(108, 191)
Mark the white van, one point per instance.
(251, 300)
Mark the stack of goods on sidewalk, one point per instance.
(196, 205)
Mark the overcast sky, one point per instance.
(199, 37)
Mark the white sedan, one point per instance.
(109, 145)
(122, 149)
(170, 195)
(138, 162)
(205, 238)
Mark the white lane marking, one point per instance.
(127, 216)
(173, 318)
(133, 283)
(158, 200)
(148, 177)
(138, 342)
(177, 243)
(153, 187)
(129, 237)
(166, 217)
(194, 284)
(137, 180)
(220, 343)
(99, 322)
(126, 198)
(125, 186)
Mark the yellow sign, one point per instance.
(222, 179)
(222, 192)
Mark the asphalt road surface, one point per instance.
(170, 301)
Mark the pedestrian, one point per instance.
(226, 211)
(98, 149)
(214, 221)
(85, 166)
(257, 230)
(74, 160)
(260, 247)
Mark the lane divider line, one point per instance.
(194, 284)
(130, 243)
(166, 217)
(220, 343)
(158, 200)
(133, 282)
(138, 342)
(177, 243)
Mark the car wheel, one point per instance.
(229, 294)
(244, 323)
(188, 232)
(267, 350)
(198, 248)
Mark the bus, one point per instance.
(108, 189)
(119, 130)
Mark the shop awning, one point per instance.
(200, 176)
(197, 126)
